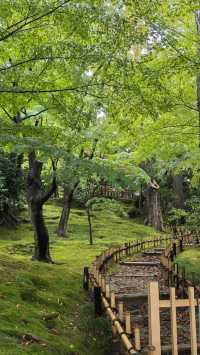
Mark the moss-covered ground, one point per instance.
(43, 309)
(190, 259)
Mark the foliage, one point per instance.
(193, 215)
(11, 185)
(176, 216)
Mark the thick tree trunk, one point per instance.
(64, 218)
(40, 233)
(178, 189)
(36, 198)
(154, 212)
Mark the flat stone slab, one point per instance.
(135, 275)
(153, 252)
(140, 263)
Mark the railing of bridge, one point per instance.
(111, 192)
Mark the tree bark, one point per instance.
(36, 199)
(154, 211)
(178, 189)
(64, 218)
(197, 17)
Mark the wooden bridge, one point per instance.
(111, 192)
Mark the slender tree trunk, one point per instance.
(154, 212)
(90, 226)
(36, 199)
(197, 16)
(64, 218)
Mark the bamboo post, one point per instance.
(103, 284)
(193, 331)
(128, 322)
(113, 307)
(193, 279)
(113, 301)
(174, 249)
(154, 318)
(121, 311)
(172, 255)
(97, 301)
(99, 280)
(107, 291)
(137, 339)
(129, 248)
(173, 321)
(126, 249)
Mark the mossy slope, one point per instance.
(43, 307)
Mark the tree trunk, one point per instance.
(40, 234)
(90, 226)
(178, 189)
(197, 17)
(36, 199)
(154, 212)
(63, 223)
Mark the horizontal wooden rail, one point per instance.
(107, 298)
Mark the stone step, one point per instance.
(140, 263)
(152, 252)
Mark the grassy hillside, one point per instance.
(43, 307)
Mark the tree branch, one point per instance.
(26, 22)
(34, 114)
(49, 192)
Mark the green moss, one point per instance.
(47, 301)
(190, 259)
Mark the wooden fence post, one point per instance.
(126, 249)
(173, 321)
(193, 332)
(112, 301)
(181, 245)
(128, 323)
(174, 249)
(107, 291)
(121, 311)
(137, 339)
(154, 318)
(97, 301)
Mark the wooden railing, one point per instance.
(116, 312)
(111, 192)
(120, 318)
(155, 304)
